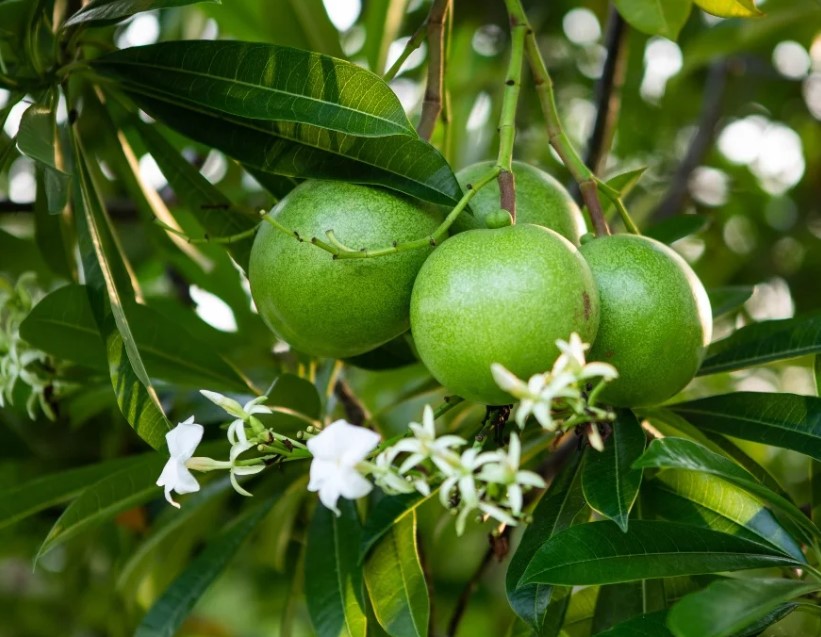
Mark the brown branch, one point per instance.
(355, 411)
(467, 592)
(711, 107)
(507, 192)
(591, 200)
(432, 104)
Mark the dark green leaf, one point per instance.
(37, 135)
(168, 613)
(557, 510)
(390, 510)
(609, 481)
(404, 163)
(677, 227)
(782, 420)
(593, 554)
(393, 354)
(655, 17)
(727, 299)
(396, 582)
(106, 11)
(52, 232)
(765, 342)
(624, 184)
(617, 603)
(650, 625)
(728, 606)
(261, 82)
(333, 577)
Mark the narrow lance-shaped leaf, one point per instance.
(729, 298)
(781, 420)
(107, 11)
(609, 481)
(396, 582)
(400, 162)
(593, 554)
(648, 625)
(762, 343)
(37, 134)
(390, 510)
(262, 82)
(728, 606)
(655, 17)
(168, 613)
(677, 227)
(333, 577)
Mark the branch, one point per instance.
(711, 107)
(432, 104)
(355, 412)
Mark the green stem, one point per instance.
(615, 197)
(414, 43)
(206, 239)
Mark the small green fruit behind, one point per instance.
(540, 200)
(500, 296)
(655, 318)
(338, 307)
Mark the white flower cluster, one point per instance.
(19, 362)
(560, 398)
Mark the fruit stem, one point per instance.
(507, 120)
(432, 104)
(615, 197)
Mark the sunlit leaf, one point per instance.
(106, 11)
(390, 510)
(655, 17)
(730, 8)
(677, 227)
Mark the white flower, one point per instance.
(572, 354)
(462, 476)
(533, 397)
(386, 476)
(504, 470)
(241, 413)
(337, 451)
(239, 470)
(182, 441)
(425, 444)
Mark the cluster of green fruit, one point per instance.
(491, 293)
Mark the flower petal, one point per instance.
(183, 439)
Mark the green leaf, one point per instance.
(677, 227)
(404, 163)
(110, 293)
(107, 11)
(727, 299)
(168, 613)
(396, 582)
(29, 498)
(679, 453)
(609, 481)
(333, 577)
(617, 603)
(764, 342)
(382, 23)
(781, 420)
(52, 232)
(624, 184)
(261, 82)
(112, 494)
(62, 324)
(728, 606)
(593, 554)
(655, 17)
(649, 625)
(730, 8)
(36, 137)
(390, 510)
(704, 499)
(556, 511)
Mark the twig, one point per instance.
(608, 92)
(467, 593)
(711, 104)
(432, 104)
(355, 411)
(413, 44)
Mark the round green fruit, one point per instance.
(655, 318)
(499, 296)
(540, 200)
(338, 307)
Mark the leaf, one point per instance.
(62, 324)
(578, 620)
(391, 355)
(112, 494)
(168, 613)
(557, 510)
(333, 577)
(382, 23)
(781, 420)
(655, 17)
(36, 137)
(764, 342)
(593, 554)
(728, 606)
(106, 11)
(387, 512)
(261, 82)
(617, 603)
(677, 227)
(730, 8)
(404, 163)
(110, 290)
(727, 299)
(649, 625)
(624, 184)
(609, 481)
(396, 582)
(679, 453)
(31, 497)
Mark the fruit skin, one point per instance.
(338, 307)
(499, 296)
(540, 200)
(655, 318)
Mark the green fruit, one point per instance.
(540, 200)
(655, 318)
(498, 219)
(499, 296)
(338, 307)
